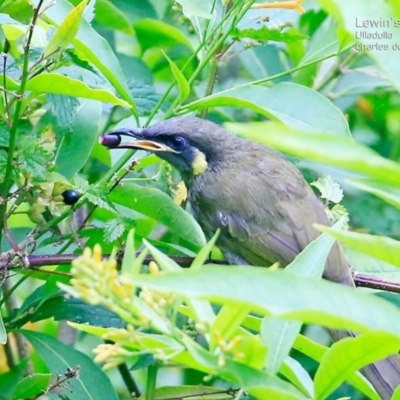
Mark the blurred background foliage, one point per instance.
(133, 62)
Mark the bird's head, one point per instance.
(189, 144)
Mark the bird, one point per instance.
(261, 203)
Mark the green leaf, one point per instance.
(227, 322)
(113, 229)
(329, 189)
(37, 308)
(91, 382)
(32, 385)
(33, 159)
(155, 204)
(204, 253)
(93, 48)
(66, 32)
(255, 382)
(129, 253)
(152, 33)
(61, 84)
(108, 14)
(192, 8)
(64, 109)
(295, 373)
(385, 191)
(74, 149)
(165, 263)
(321, 147)
(99, 198)
(317, 351)
(279, 334)
(286, 102)
(382, 247)
(10, 379)
(349, 355)
(183, 85)
(323, 46)
(350, 14)
(145, 96)
(282, 294)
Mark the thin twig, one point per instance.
(16, 119)
(5, 91)
(33, 261)
(9, 237)
(372, 282)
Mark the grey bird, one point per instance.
(261, 203)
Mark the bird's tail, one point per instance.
(384, 375)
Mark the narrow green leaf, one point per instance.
(193, 9)
(153, 33)
(316, 351)
(204, 254)
(293, 371)
(74, 149)
(109, 14)
(382, 247)
(279, 334)
(183, 85)
(155, 204)
(228, 320)
(349, 355)
(66, 32)
(32, 385)
(325, 45)
(289, 103)
(385, 191)
(91, 382)
(61, 84)
(165, 263)
(321, 147)
(129, 253)
(282, 294)
(93, 48)
(254, 381)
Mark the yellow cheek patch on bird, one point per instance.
(199, 163)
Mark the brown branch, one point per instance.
(372, 282)
(9, 262)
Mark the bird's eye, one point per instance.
(178, 143)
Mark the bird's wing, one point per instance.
(266, 214)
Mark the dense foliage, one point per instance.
(292, 78)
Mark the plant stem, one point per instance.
(128, 380)
(152, 371)
(5, 188)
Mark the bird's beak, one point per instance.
(112, 140)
